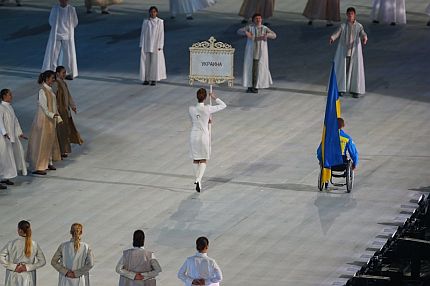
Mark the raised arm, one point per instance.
(220, 104)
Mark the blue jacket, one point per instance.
(346, 144)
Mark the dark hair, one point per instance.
(138, 238)
(340, 122)
(59, 69)
(201, 94)
(3, 92)
(25, 227)
(152, 7)
(45, 75)
(201, 243)
(350, 9)
(255, 15)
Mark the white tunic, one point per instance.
(355, 82)
(13, 129)
(152, 41)
(389, 11)
(7, 159)
(264, 78)
(13, 254)
(188, 6)
(62, 28)
(200, 266)
(80, 262)
(200, 135)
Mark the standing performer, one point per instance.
(7, 160)
(348, 59)
(152, 63)
(200, 140)
(73, 260)
(389, 11)
(263, 7)
(200, 269)
(256, 73)
(66, 132)
(328, 10)
(43, 147)
(13, 130)
(21, 257)
(63, 21)
(188, 7)
(102, 3)
(138, 266)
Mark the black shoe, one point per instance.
(310, 23)
(329, 24)
(172, 17)
(392, 23)
(38, 172)
(244, 21)
(428, 23)
(375, 22)
(3, 187)
(341, 94)
(355, 95)
(105, 12)
(69, 77)
(190, 18)
(8, 182)
(197, 187)
(51, 167)
(249, 90)
(64, 155)
(152, 83)
(89, 11)
(145, 82)
(254, 90)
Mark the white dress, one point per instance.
(7, 159)
(188, 6)
(389, 11)
(200, 135)
(200, 266)
(13, 254)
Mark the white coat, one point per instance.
(13, 129)
(80, 262)
(200, 266)
(189, 6)
(200, 136)
(13, 254)
(264, 79)
(7, 159)
(356, 80)
(49, 62)
(152, 41)
(389, 11)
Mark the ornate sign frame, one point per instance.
(209, 50)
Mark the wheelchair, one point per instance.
(340, 171)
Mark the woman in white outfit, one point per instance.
(73, 260)
(21, 257)
(200, 139)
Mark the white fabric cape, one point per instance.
(389, 11)
(49, 63)
(357, 82)
(150, 41)
(189, 6)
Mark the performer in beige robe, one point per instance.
(102, 3)
(348, 59)
(13, 130)
(66, 132)
(43, 147)
(73, 260)
(250, 7)
(152, 62)
(138, 266)
(21, 257)
(328, 10)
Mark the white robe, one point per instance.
(50, 61)
(152, 44)
(200, 266)
(389, 11)
(200, 139)
(80, 262)
(7, 159)
(264, 78)
(13, 129)
(13, 254)
(188, 6)
(356, 82)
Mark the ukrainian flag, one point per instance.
(330, 142)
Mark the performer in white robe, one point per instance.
(21, 257)
(200, 269)
(138, 266)
(328, 10)
(61, 43)
(389, 11)
(7, 160)
(256, 73)
(348, 59)
(73, 260)
(152, 62)
(200, 138)
(188, 7)
(13, 129)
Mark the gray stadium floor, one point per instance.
(267, 223)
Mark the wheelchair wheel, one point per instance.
(349, 177)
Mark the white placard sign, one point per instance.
(211, 62)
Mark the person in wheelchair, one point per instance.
(346, 144)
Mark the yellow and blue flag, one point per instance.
(330, 142)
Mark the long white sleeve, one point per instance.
(5, 258)
(123, 272)
(183, 274)
(44, 105)
(217, 273)
(215, 108)
(2, 127)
